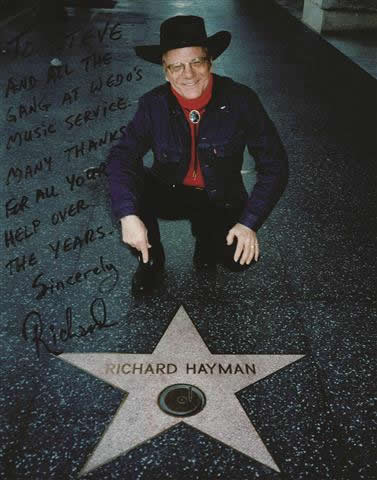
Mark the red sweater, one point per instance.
(194, 175)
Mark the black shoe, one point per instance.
(146, 277)
(204, 256)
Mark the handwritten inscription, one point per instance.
(87, 146)
(17, 174)
(90, 174)
(21, 137)
(77, 242)
(39, 104)
(95, 60)
(115, 80)
(51, 108)
(19, 264)
(45, 193)
(26, 83)
(15, 207)
(23, 111)
(13, 237)
(22, 46)
(58, 73)
(48, 337)
(108, 272)
(70, 96)
(98, 112)
(69, 211)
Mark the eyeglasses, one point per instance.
(195, 63)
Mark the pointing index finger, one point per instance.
(144, 253)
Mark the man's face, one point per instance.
(193, 79)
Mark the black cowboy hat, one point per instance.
(184, 31)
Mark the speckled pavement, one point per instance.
(66, 275)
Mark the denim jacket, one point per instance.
(234, 118)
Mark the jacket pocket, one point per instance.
(167, 164)
(166, 154)
(228, 147)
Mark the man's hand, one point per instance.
(247, 243)
(135, 234)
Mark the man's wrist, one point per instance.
(127, 217)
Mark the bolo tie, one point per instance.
(194, 117)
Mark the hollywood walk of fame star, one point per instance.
(180, 358)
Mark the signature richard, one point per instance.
(47, 337)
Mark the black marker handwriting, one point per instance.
(87, 146)
(50, 286)
(58, 73)
(69, 211)
(45, 193)
(70, 96)
(19, 264)
(20, 137)
(90, 174)
(24, 110)
(77, 242)
(95, 60)
(47, 337)
(17, 175)
(14, 206)
(20, 46)
(27, 82)
(115, 80)
(13, 237)
(100, 111)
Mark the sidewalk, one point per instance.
(309, 301)
(360, 47)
